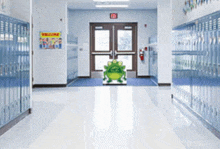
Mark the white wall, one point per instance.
(79, 25)
(49, 66)
(177, 11)
(20, 9)
(164, 14)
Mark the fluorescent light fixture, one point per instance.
(110, 6)
(111, 0)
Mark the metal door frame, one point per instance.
(113, 39)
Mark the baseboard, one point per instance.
(143, 76)
(164, 84)
(48, 85)
(84, 77)
(8, 126)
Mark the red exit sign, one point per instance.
(113, 15)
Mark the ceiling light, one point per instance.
(111, 0)
(109, 6)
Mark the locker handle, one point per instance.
(10, 68)
(14, 68)
(6, 70)
(1, 70)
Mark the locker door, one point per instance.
(218, 46)
(18, 46)
(1, 72)
(206, 57)
(210, 50)
(214, 47)
(7, 78)
(11, 73)
(16, 62)
(23, 103)
(27, 66)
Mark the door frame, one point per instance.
(134, 45)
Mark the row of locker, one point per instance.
(14, 68)
(72, 58)
(153, 58)
(196, 67)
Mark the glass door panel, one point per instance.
(102, 40)
(100, 61)
(124, 40)
(127, 61)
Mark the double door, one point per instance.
(113, 41)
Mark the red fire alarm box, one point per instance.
(113, 15)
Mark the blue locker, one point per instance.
(7, 73)
(199, 67)
(28, 66)
(14, 68)
(206, 49)
(1, 74)
(214, 47)
(16, 83)
(21, 66)
(18, 68)
(11, 72)
(218, 47)
(210, 50)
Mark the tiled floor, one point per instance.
(107, 118)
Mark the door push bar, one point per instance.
(115, 53)
(103, 53)
(123, 53)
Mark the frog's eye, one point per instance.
(114, 61)
(109, 63)
(120, 63)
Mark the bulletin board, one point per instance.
(50, 40)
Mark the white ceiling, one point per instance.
(133, 4)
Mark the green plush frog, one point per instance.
(114, 71)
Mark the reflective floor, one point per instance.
(108, 118)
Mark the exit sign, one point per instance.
(113, 15)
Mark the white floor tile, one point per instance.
(106, 118)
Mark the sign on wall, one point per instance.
(50, 40)
(113, 16)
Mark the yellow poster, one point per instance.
(50, 35)
(50, 40)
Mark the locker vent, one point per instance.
(218, 23)
(214, 24)
(6, 27)
(210, 25)
(10, 28)
(18, 30)
(203, 26)
(2, 26)
(15, 29)
(206, 26)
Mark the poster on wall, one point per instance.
(3, 5)
(50, 40)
